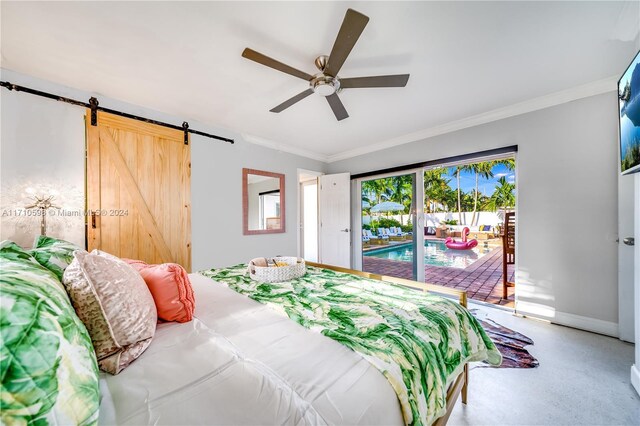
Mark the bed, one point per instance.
(241, 361)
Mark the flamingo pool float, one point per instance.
(461, 245)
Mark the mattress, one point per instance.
(241, 362)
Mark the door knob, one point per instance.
(629, 241)
(344, 230)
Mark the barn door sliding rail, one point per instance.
(94, 106)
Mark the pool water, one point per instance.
(436, 254)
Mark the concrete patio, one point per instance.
(482, 279)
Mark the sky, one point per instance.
(485, 186)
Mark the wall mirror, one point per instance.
(262, 202)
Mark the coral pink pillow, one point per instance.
(170, 287)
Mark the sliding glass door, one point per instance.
(457, 225)
(391, 225)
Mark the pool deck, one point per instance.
(482, 279)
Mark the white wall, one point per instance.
(566, 162)
(42, 148)
(43, 142)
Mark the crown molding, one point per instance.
(591, 89)
(256, 140)
(594, 88)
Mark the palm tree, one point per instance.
(402, 191)
(397, 188)
(503, 196)
(435, 187)
(375, 190)
(509, 163)
(484, 170)
(456, 172)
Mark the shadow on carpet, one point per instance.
(510, 343)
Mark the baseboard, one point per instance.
(570, 320)
(635, 377)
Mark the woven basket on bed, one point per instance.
(274, 274)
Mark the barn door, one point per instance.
(138, 190)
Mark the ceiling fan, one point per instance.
(326, 82)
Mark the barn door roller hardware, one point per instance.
(185, 126)
(94, 106)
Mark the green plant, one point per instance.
(406, 228)
(503, 196)
(384, 222)
(366, 226)
(451, 222)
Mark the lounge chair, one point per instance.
(398, 231)
(483, 232)
(391, 235)
(377, 240)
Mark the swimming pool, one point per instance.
(435, 254)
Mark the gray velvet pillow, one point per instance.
(115, 305)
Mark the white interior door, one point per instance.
(335, 219)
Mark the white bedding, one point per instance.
(240, 362)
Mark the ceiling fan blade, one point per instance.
(337, 107)
(352, 26)
(297, 98)
(272, 63)
(399, 80)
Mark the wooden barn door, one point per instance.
(138, 190)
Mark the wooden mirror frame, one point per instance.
(245, 202)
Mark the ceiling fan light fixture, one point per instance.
(325, 85)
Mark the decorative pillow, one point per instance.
(171, 289)
(49, 370)
(113, 301)
(53, 254)
(486, 228)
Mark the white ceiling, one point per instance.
(465, 58)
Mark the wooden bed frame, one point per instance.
(461, 383)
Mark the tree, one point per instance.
(509, 163)
(484, 170)
(455, 171)
(374, 190)
(402, 192)
(398, 189)
(503, 196)
(435, 189)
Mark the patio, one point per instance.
(482, 279)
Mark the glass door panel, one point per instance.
(390, 234)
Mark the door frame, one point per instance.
(299, 207)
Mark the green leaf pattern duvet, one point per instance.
(419, 341)
(47, 362)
